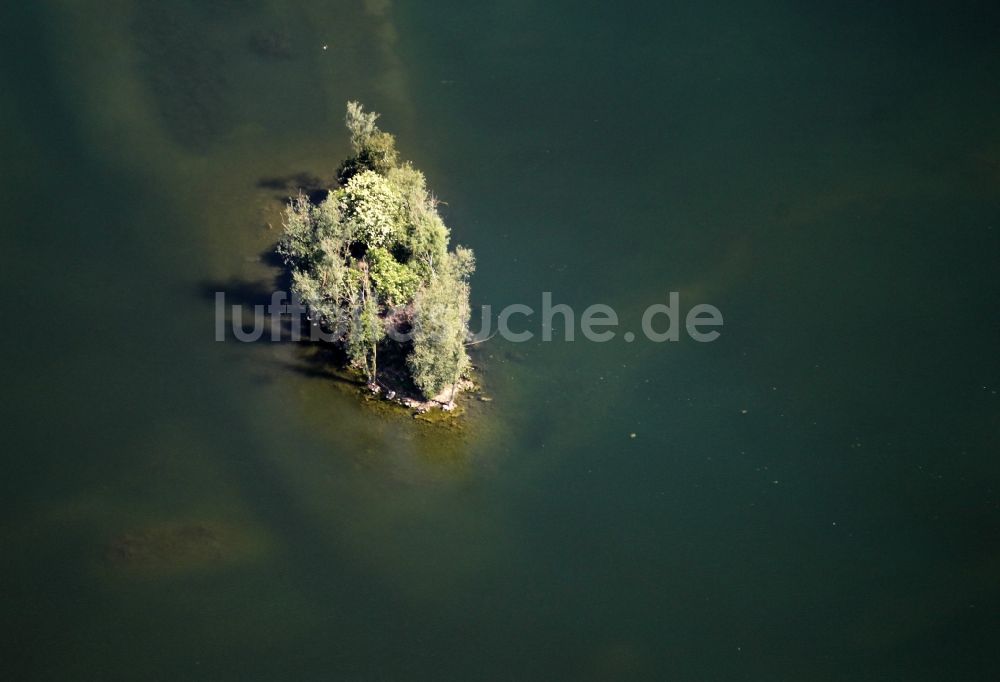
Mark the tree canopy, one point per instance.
(371, 262)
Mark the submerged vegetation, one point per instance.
(372, 264)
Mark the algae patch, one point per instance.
(178, 548)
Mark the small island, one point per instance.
(370, 260)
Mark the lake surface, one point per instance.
(813, 496)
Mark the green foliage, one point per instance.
(371, 210)
(366, 330)
(395, 281)
(425, 239)
(298, 242)
(314, 247)
(440, 327)
(360, 124)
(330, 222)
(374, 150)
(463, 264)
(375, 243)
(411, 185)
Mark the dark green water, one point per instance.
(812, 497)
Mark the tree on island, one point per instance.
(371, 262)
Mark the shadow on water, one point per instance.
(303, 180)
(246, 317)
(314, 187)
(251, 293)
(246, 320)
(239, 292)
